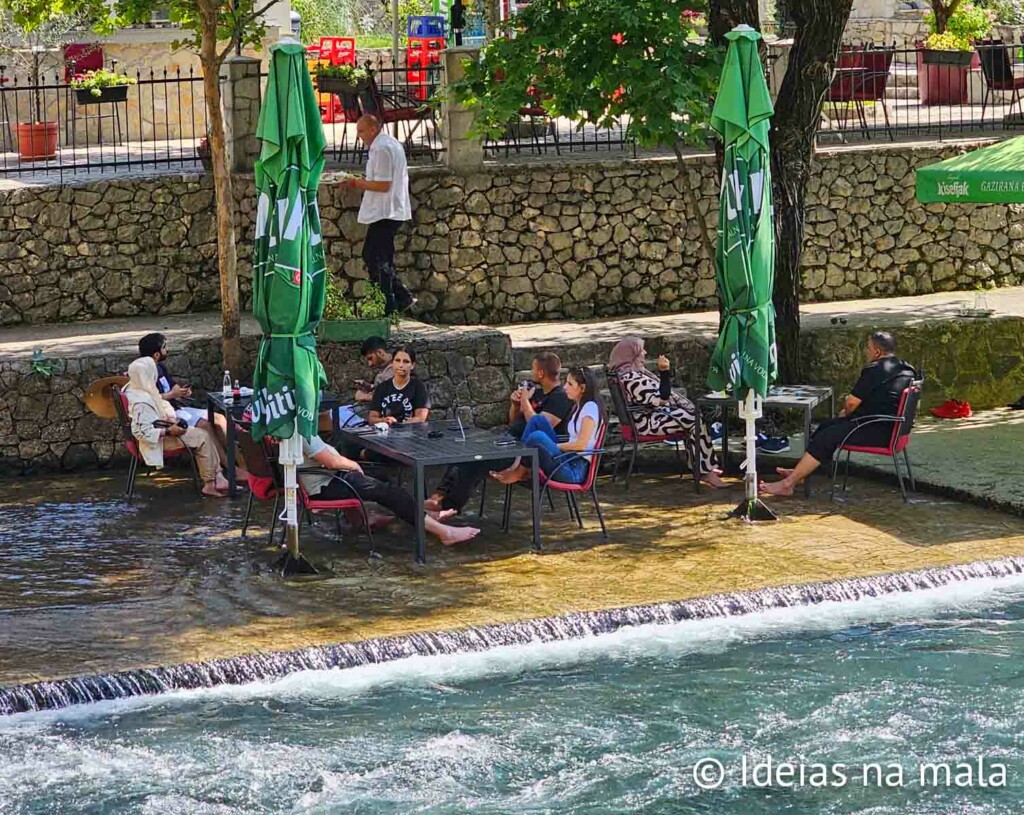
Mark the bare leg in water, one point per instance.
(449, 535)
(511, 475)
(791, 478)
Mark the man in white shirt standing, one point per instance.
(384, 207)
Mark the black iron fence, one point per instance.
(402, 97)
(877, 93)
(889, 92)
(48, 126)
(537, 133)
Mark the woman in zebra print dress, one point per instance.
(661, 411)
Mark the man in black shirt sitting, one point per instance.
(877, 393)
(544, 395)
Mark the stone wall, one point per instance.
(45, 425)
(512, 243)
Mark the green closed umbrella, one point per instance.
(289, 271)
(745, 360)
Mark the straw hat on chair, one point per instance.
(97, 396)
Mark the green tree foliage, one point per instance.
(214, 29)
(324, 18)
(598, 61)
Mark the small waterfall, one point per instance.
(269, 666)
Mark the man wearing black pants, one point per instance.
(334, 477)
(385, 206)
(877, 393)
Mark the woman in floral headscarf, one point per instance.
(657, 409)
(146, 406)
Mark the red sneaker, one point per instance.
(952, 409)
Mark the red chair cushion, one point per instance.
(627, 434)
(874, 451)
(263, 488)
(341, 503)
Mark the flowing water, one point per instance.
(610, 723)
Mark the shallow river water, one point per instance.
(610, 725)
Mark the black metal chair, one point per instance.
(550, 482)
(997, 69)
(263, 476)
(132, 445)
(902, 422)
(261, 465)
(629, 434)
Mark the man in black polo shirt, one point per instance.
(877, 393)
(543, 395)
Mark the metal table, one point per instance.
(409, 445)
(788, 397)
(233, 412)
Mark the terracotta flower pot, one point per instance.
(37, 141)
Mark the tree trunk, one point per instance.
(819, 31)
(725, 15)
(942, 12)
(491, 19)
(227, 257)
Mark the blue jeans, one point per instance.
(540, 434)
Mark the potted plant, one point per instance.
(946, 56)
(31, 46)
(98, 87)
(341, 79)
(344, 321)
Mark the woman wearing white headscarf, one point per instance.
(146, 405)
(658, 410)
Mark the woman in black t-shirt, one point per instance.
(402, 399)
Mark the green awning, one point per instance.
(991, 175)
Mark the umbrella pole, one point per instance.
(292, 561)
(751, 508)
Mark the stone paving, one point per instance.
(93, 585)
(981, 458)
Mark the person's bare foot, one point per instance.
(449, 535)
(509, 476)
(221, 483)
(714, 479)
(442, 514)
(784, 471)
(210, 491)
(433, 503)
(784, 487)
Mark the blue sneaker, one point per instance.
(716, 435)
(772, 444)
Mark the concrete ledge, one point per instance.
(44, 424)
